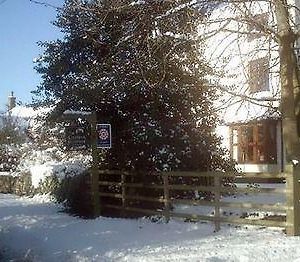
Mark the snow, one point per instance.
(27, 112)
(77, 112)
(34, 229)
(23, 112)
(26, 116)
(40, 172)
(37, 160)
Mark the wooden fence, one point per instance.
(215, 188)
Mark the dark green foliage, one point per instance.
(139, 66)
(74, 193)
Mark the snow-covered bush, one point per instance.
(9, 157)
(11, 132)
(32, 151)
(11, 136)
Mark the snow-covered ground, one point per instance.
(35, 230)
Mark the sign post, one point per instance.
(95, 174)
(101, 138)
(76, 139)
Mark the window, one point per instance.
(255, 26)
(254, 142)
(258, 75)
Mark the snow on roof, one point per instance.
(74, 112)
(29, 112)
(23, 112)
(5, 173)
(25, 116)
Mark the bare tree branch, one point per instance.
(46, 4)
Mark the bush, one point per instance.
(9, 158)
(11, 131)
(73, 192)
(11, 136)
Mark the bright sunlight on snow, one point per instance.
(35, 229)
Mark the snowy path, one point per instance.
(35, 230)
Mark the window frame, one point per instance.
(263, 147)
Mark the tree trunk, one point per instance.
(288, 81)
(296, 79)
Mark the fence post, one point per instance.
(293, 212)
(94, 174)
(217, 195)
(123, 176)
(166, 197)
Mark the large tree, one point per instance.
(139, 65)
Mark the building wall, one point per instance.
(230, 52)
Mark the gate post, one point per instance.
(293, 196)
(123, 180)
(166, 196)
(94, 173)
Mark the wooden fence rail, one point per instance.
(216, 188)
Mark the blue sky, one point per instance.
(22, 25)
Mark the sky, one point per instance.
(22, 25)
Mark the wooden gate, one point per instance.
(120, 194)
